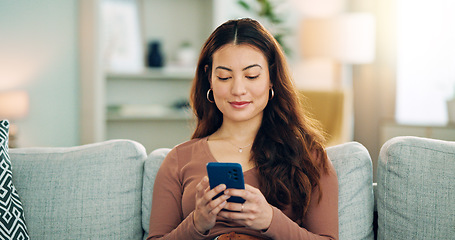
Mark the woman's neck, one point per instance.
(240, 133)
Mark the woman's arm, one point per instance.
(166, 218)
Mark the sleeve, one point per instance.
(166, 218)
(321, 220)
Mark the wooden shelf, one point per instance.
(170, 117)
(166, 73)
(148, 113)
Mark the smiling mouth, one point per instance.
(241, 104)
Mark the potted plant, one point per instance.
(265, 10)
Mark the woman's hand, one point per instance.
(255, 212)
(207, 209)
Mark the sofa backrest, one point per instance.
(416, 189)
(355, 176)
(86, 192)
(354, 169)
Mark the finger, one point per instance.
(201, 187)
(252, 189)
(236, 207)
(217, 210)
(214, 192)
(218, 204)
(238, 193)
(236, 215)
(205, 182)
(248, 188)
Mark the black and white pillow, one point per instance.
(12, 221)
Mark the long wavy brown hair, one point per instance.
(288, 149)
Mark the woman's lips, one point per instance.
(239, 104)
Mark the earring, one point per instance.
(272, 93)
(208, 96)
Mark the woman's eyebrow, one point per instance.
(246, 68)
(251, 66)
(224, 68)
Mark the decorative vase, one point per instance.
(154, 57)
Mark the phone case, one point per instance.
(230, 174)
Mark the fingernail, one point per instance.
(221, 186)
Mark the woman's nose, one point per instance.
(238, 86)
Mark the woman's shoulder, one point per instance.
(195, 142)
(322, 162)
(189, 149)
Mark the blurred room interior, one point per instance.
(81, 71)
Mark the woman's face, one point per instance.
(240, 82)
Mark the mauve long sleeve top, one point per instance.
(174, 202)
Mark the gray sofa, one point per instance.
(104, 190)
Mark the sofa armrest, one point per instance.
(416, 189)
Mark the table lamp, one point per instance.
(345, 39)
(337, 42)
(13, 106)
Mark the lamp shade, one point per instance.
(13, 104)
(320, 8)
(349, 38)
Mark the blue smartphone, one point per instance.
(230, 174)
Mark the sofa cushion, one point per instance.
(85, 192)
(352, 163)
(416, 189)
(12, 220)
(354, 169)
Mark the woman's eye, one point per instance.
(252, 77)
(223, 78)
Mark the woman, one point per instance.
(248, 112)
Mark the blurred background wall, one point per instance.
(83, 70)
(39, 55)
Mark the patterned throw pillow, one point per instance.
(12, 222)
